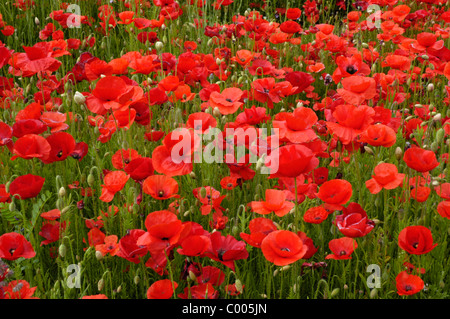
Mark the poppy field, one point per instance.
(226, 149)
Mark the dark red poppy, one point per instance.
(128, 248)
(14, 245)
(354, 221)
(51, 231)
(80, 151)
(420, 160)
(62, 145)
(300, 80)
(308, 242)
(139, 168)
(26, 186)
(200, 291)
(416, 240)
(226, 249)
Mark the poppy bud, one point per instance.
(59, 203)
(434, 146)
(79, 98)
(216, 112)
(159, 45)
(192, 276)
(425, 57)
(275, 273)
(65, 210)
(335, 292)
(62, 192)
(430, 87)
(12, 207)
(235, 230)
(238, 285)
(437, 117)
(365, 45)
(62, 250)
(91, 180)
(368, 150)
(373, 293)
(137, 279)
(101, 284)
(441, 284)
(284, 268)
(398, 153)
(98, 255)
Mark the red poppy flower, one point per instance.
(28, 126)
(62, 145)
(201, 122)
(114, 181)
(408, 284)
(357, 89)
(275, 202)
(80, 151)
(386, 176)
(378, 135)
(296, 127)
(19, 289)
(283, 247)
(163, 231)
(300, 80)
(259, 228)
(308, 242)
(200, 291)
(194, 245)
(162, 289)
(350, 66)
(315, 215)
(351, 121)
(342, 248)
(26, 186)
(291, 161)
(420, 193)
(31, 146)
(56, 121)
(252, 116)
(53, 214)
(95, 237)
(335, 193)
(140, 168)
(354, 221)
(443, 209)
(416, 240)
(265, 90)
(226, 249)
(128, 247)
(4, 196)
(36, 59)
(160, 187)
(228, 102)
(109, 246)
(51, 231)
(290, 27)
(98, 296)
(420, 160)
(14, 245)
(212, 275)
(110, 92)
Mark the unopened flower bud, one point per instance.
(101, 284)
(79, 98)
(398, 153)
(62, 250)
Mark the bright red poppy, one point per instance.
(31, 146)
(408, 284)
(275, 202)
(335, 193)
(291, 161)
(14, 245)
(113, 182)
(386, 177)
(162, 289)
(228, 102)
(315, 215)
(26, 186)
(420, 160)
(378, 135)
(226, 249)
(259, 228)
(283, 247)
(296, 127)
(342, 248)
(416, 240)
(160, 187)
(357, 89)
